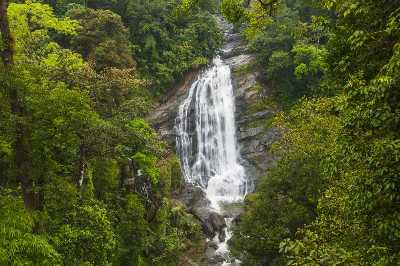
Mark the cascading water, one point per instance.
(210, 156)
(206, 139)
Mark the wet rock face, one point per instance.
(217, 222)
(254, 138)
(254, 132)
(196, 202)
(164, 114)
(212, 222)
(194, 197)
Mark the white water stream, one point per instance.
(206, 140)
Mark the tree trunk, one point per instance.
(21, 142)
(7, 54)
(82, 164)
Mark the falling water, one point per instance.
(209, 155)
(206, 138)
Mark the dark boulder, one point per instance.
(193, 197)
(217, 221)
(211, 221)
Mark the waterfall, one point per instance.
(207, 145)
(206, 137)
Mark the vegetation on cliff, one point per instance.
(333, 196)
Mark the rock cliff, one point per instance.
(253, 109)
(253, 115)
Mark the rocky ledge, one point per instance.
(253, 111)
(253, 115)
(196, 203)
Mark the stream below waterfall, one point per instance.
(207, 145)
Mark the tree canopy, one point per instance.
(332, 197)
(84, 179)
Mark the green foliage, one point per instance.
(101, 38)
(288, 48)
(117, 94)
(86, 238)
(167, 38)
(144, 137)
(309, 61)
(188, 226)
(233, 10)
(162, 236)
(286, 199)
(168, 43)
(332, 197)
(6, 150)
(288, 38)
(33, 33)
(134, 238)
(79, 116)
(278, 63)
(60, 197)
(360, 207)
(191, 6)
(148, 164)
(106, 177)
(19, 244)
(175, 173)
(69, 116)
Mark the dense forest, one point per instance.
(333, 196)
(78, 78)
